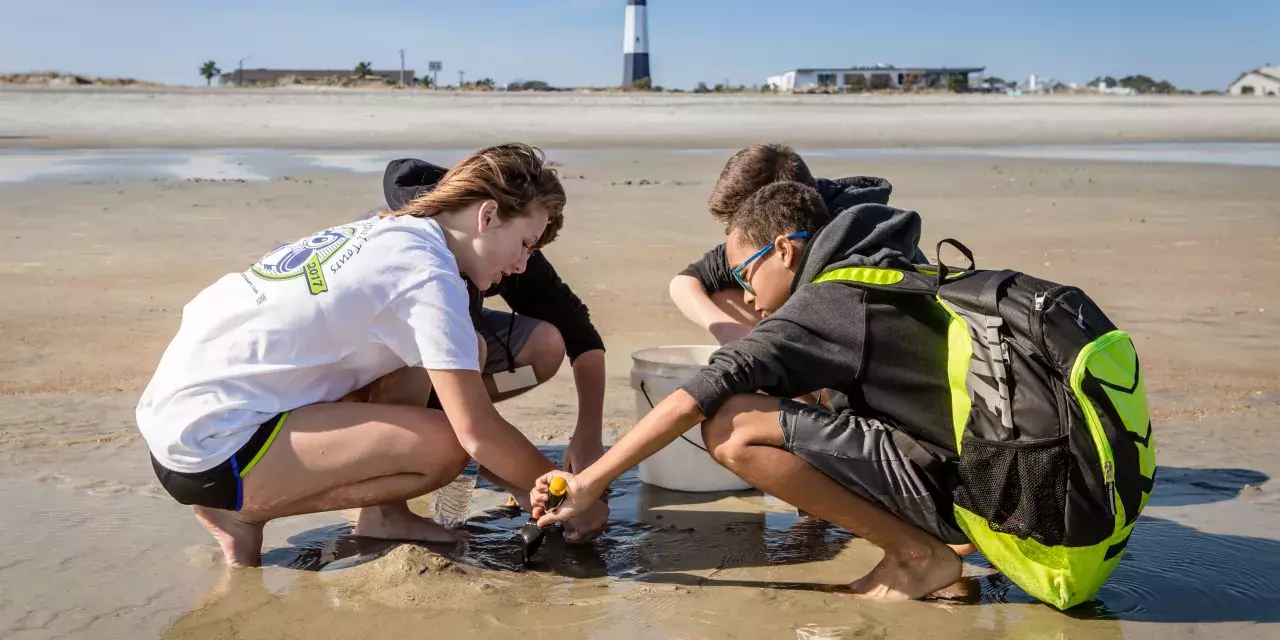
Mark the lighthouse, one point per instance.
(635, 44)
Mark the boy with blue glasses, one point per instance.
(706, 292)
(879, 460)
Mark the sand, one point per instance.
(96, 273)
(63, 118)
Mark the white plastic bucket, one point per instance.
(683, 465)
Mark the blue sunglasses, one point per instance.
(740, 269)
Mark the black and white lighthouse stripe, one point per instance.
(635, 44)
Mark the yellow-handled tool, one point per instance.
(531, 533)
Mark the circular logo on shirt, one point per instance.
(303, 259)
(290, 260)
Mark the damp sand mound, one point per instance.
(412, 576)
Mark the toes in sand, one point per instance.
(241, 541)
(908, 577)
(399, 523)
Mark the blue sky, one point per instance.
(1198, 45)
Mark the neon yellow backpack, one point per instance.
(1051, 423)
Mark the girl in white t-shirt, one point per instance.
(243, 418)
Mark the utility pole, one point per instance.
(240, 81)
(461, 75)
(402, 67)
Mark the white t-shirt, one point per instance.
(310, 322)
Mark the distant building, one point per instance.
(1042, 84)
(1263, 81)
(274, 76)
(871, 78)
(1117, 90)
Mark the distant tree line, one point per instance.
(728, 88)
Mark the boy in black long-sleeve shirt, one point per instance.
(704, 291)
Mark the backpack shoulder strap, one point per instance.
(882, 278)
(989, 298)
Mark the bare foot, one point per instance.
(397, 522)
(909, 577)
(967, 590)
(241, 541)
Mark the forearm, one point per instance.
(589, 378)
(696, 305)
(492, 441)
(673, 416)
(506, 453)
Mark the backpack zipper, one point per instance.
(1109, 474)
(1043, 301)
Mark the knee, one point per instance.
(728, 433)
(442, 459)
(716, 431)
(431, 448)
(456, 459)
(545, 351)
(725, 444)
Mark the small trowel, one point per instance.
(531, 534)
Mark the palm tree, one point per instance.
(363, 69)
(209, 69)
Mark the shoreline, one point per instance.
(20, 166)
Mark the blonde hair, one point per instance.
(514, 175)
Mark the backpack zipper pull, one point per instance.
(1039, 302)
(1004, 351)
(1109, 474)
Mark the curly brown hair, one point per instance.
(751, 169)
(514, 175)
(780, 209)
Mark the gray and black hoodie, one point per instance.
(881, 354)
(712, 269)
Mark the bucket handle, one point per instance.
(650, 401)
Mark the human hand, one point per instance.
(583, 450)
(577, 501)
(588, 525)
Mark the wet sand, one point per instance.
(96, 274)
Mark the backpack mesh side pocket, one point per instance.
(1019, 487)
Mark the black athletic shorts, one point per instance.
(862, 456)
(221, 487)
